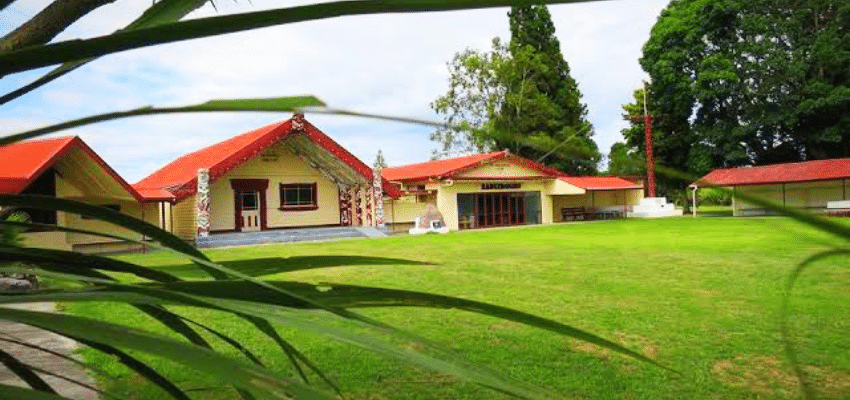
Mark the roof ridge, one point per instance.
(46, 139)
(781, 164)
(446, 159)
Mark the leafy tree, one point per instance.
(379, 160)
(759, 81)
(519, 97)
(625, 160)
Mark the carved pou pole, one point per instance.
(378, 196)
(202, 203)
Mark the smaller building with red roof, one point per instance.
(66, 167)
(502, 189)
(806, 185)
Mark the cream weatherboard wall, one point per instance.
(77, 187)
(404, 210)
(285, 168)
(183, 219)
(807, 195)
(501, 169)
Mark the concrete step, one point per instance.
(286, 236)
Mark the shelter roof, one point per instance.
(805, 171)
(180, 176)
(600, 182)
(21, 163)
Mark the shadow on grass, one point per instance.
(274, 265)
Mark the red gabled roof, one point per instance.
(805, 171)
(438, 168)
(23, 162)
(600, 182)
(180, 176)
(450, 167)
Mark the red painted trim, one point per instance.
(237, 210)
(249, 184)
(242, 185)
(264, 219)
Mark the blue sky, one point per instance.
(385, 64)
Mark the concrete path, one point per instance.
(48, 362)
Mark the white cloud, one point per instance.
(386, 64)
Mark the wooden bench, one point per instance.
(575, 213)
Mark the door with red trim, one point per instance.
(250, 210)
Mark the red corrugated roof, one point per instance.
(805, 171)
(23, 162)
(438, 168)
(156, 194)
(180, 176)
(448, 168)
(600, 182)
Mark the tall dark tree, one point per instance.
(758, 81)
(562, 119)
(519, 97)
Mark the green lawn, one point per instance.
(715, 211)
(701, 295)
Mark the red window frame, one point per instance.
(299, 186)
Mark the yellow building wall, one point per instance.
(447, 199)
(285, 169)
(500, 169)
(183, 218)
(813, 195)
(132, 209)
(91, 187)
(46, 240)
(559, 187)
(71, 189)
(403, 210)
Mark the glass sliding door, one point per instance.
(481, 210)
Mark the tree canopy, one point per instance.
(750, 81)
(519, 97)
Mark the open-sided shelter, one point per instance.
(285, 175)
(501, 189)
(66, 167)
(806, 185)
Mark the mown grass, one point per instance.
(714, 211)
(700, 295)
